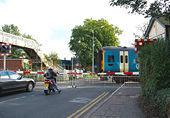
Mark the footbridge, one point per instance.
(30, 46)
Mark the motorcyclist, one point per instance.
(50, 74)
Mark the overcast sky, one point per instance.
(50, 21)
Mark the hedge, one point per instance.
(155, 73)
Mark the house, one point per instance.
(158, 28)
(66, 64)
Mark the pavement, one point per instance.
(122, 103)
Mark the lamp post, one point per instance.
(93, 50)
(93, 54)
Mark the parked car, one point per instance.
(11, 81)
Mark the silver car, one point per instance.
(11, 81)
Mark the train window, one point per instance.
(121, 58)
(110, 64)
(111, 58)
(126, 59)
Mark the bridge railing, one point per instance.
(24, 43)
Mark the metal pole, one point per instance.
(93, 54)
(72, 64)
(72, 82)
(4, 62)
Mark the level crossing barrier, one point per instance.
(75, 73)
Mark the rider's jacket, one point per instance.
(50, 74)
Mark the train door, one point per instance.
(124, 61)
(121, 61)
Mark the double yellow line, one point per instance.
(79, 112)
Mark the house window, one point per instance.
(111, 58)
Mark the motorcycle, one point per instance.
(48, 86)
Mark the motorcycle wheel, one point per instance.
(47, 92)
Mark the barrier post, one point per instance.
(4, 62)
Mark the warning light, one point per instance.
(5, 49)
(140, 43)
(149, 43)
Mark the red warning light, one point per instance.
(149, 43)
(140, 43)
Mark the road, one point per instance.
(71, 102)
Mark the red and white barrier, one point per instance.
(115, 73)
(28, 72)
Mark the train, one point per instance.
(117, 59)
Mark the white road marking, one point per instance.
(13, 99)
(80, 100)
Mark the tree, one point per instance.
(52, 57)
(141, 28)
(81, 41)
(157, 8)
(12, 29)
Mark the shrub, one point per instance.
(162, 102)
(155, 73)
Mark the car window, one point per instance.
(13, 75)
(4, 75)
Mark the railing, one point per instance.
(24, 43)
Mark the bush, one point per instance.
(162, 102)
(155, 72)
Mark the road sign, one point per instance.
(139, 43)
(5, 49)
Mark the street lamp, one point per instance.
(93, 49)
(93, 54)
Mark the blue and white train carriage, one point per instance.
(118, 59)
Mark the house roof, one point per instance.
(162, 20)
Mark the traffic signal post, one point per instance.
(139, 43)
(5, 49)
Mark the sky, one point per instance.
(50, 22)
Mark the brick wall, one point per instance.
(12, 64)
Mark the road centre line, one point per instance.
(91, 106)
(88, 106)
(13, 99)
(85, 106)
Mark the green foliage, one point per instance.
(155, 72)
(12, 29)
(101, 31)
(17, 53)
(162, 102)
(52, 57)
(155, 9)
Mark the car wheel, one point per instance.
(30, 87)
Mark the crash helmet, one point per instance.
(50, 68)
